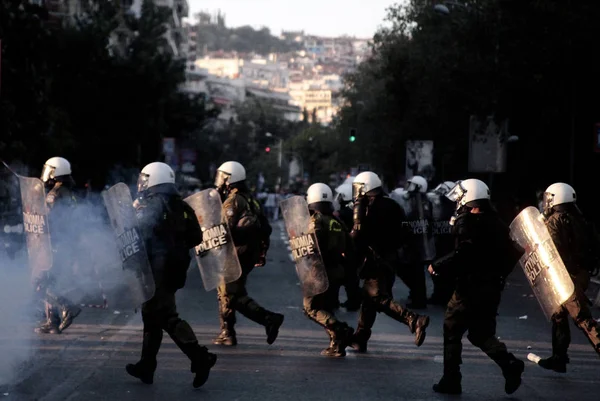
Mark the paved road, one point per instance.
(87, 361)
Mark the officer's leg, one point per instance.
(442, 291)
(319, 310)
(577, 306)
(152, 339)
(226, 315)
(482, 334)
(352, 287)
(455, 326)
(241, 302)
(183, 336)
(64, 310)
(561, 338)
(44, 287)
(418, 286)
(385, 303)
(366, 316)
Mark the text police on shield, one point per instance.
(128, 244)
(302, 246)
(34, 223)
(213, 237)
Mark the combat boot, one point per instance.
(555, 363)
(202, 367)
(273, 323)
(51, 324)
(142, 370)
(418, 326)
(512, 371)
(449, 384)
(69, 313)
(49, 327)
(329, 350)
(359, 340)
(341, 337)
(226, 337)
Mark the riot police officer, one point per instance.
(351, 281)
(170, 229)
(419, 249)
(331, 238)
(61, 201)
(442, 212)
(576, 242)
(378, 234)
(483, 257)
(250, 230)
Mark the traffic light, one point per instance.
(352, 137)
(267, 149)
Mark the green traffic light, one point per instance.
(352, 138)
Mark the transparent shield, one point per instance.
(131, 282)
(543, 266)
(35, 225)
(305, 247)
(216, 255)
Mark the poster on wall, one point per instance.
(487, 145)
(419, 159)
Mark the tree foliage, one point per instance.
(244, 39)
(66, 92)
(533, 62)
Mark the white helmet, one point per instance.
(365, 182)
(444, 187)
(230, 173)
(55, 167)
(416, 183)
(468, 191)
(319, 193)
(557, 194)
(155, 174)
(344, 192)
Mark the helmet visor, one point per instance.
(457, 193)
(47, 173)
(358, 189)
(142, 183)
(221, 179)
(547, 203)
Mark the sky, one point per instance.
(359, 18)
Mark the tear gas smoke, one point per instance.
(16, 315)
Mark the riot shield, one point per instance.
(541, 262)
(35, 225)
(424, 214)
(305, 247)
(216, 255)
(132, 283)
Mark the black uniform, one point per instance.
(250, 232)
(574, 241)
(331, 237)
(351, 281)
(60, 311)
(170, 229)
(443, 210)
(378, 235)
(415, 254)
(483, 257)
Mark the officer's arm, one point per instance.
(321, 233)
(448, 264)
(234, 211)
(192, 227)
(148, 212)
(556, 228)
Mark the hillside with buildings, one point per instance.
(293, 72)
